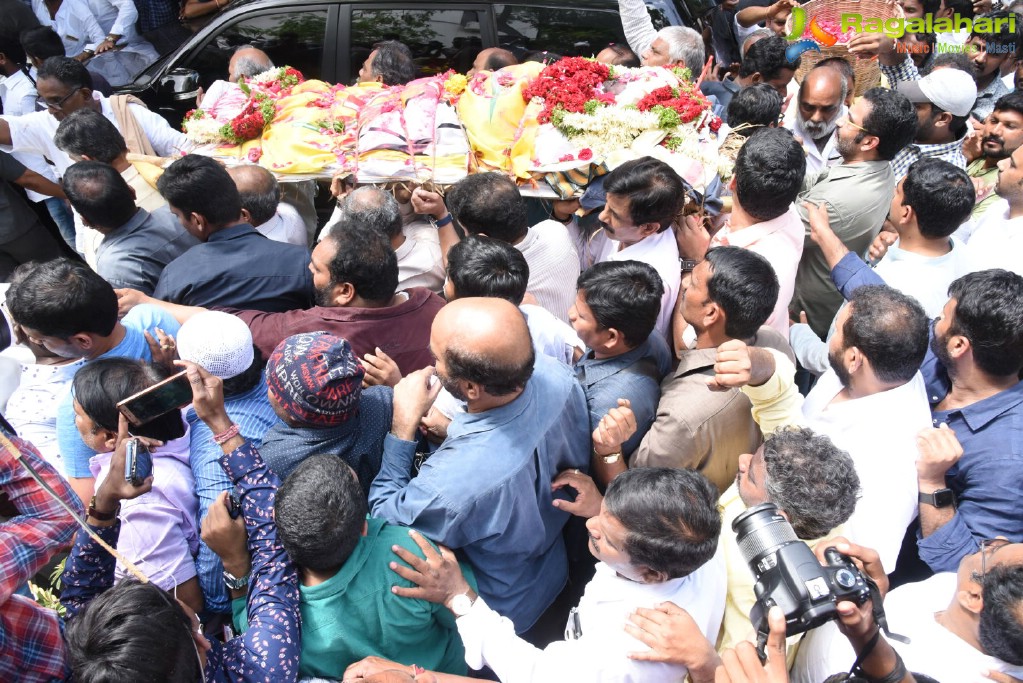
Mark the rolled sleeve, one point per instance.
(776, 403)
(943, 549)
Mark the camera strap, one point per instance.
(877, 608)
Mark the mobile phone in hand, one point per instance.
(173, 393)
(138, 463)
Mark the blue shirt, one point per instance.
(988, 478)
(239, 268)
(359, 441)
(136, 253)
(139, 320)
(635, 375)
(487, 490)
(252, 413)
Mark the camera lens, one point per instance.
(760, 530)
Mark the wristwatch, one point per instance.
(688, 264)
(235, 583)
(101, 516)
(942, 498)
(611, 458)
(461, 604)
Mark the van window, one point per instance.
(294, 38)
(568, 31)
(439, 39)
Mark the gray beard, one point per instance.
(818, 131)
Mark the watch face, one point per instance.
(461, 604)
(943, 498)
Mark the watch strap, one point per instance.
(940, 498)
(101, 516)
(688, 264)
(235, 583)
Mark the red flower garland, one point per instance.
(568, 83)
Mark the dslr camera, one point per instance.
(788, 574)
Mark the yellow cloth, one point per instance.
(500, 125)
(740, 599)
(777, 402)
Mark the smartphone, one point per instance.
(173, 393)
(138, 462)
(234, 505)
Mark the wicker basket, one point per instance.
(868, 73)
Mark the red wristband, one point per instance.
(225, 436)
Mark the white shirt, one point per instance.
(879, 432)
(780, 241)
(996, 241)
(933, 651)
(553, 266)
(32, 408)
(286, 225)
(18, 94)
(658, 250)
(551, 337)
(34, 133)
(74, 22)
(599, 655)
(925, 278)
(420, 263)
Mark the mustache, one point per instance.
(993, 138)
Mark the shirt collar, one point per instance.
(232, 232)
(940, 149)
(758, 231)
(591, 370)
(134, 223)
(978, 415)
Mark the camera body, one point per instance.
(788, 574)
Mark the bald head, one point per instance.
(370, 206)
(821, 96)
(259, 191)
(484, 341)
(248, 62)
(492, 59)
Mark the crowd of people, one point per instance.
(453, 440)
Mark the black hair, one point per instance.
(100, 384)
(890, 328)
(99, 194)
(11, 48)
(365, 260)
(42, 42)
(60, 298)
(320, 511)
(198, 184)
(843, 66)
(941, 194)
(541, 56)
(952, 60)
(624, 295)
(767, 57)
(1012, 101)
(489, 203)
(963, 8)
(756, 105)
(892, 119)
(249, 378)
(655, 191)
(393, 63)
(769, 173)
(86, 132)
(498, 376)
(670, 516)
(1005, 38)
(374, 208)
(745, 286)
(132, 632)
(261, 199)
(483, 266)
(811, 479)
(933, 6)
(989, 312)
(1001, 618)
(624, 56)
(66, 70)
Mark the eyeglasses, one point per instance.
(854, 124)
(60, 105)
(989, 547)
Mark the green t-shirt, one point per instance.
(354, 614)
